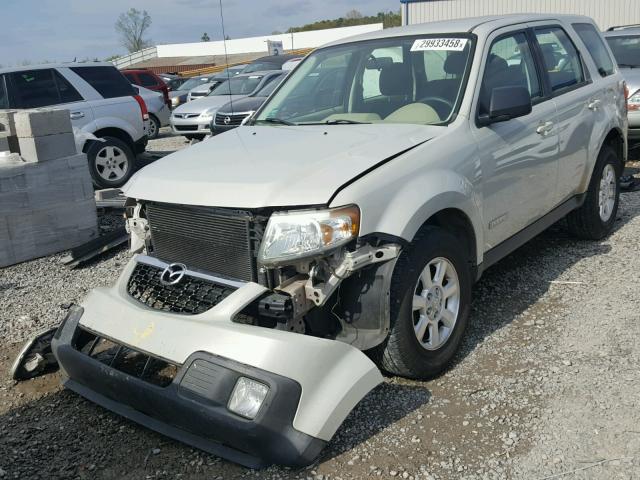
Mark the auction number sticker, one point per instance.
(454, 44)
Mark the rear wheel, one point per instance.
(430, 301)
(154, 127)
(595, 218)
(111, 163)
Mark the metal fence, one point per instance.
(136, 57)
(606, 13)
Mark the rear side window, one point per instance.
(107, 81)
(594, 43)
(4, 96)
(42, 88)
(561, 58)
(147, 80)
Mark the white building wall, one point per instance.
(606, 13)
(290, 41)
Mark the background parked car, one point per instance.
(159, 112)
(272, 62)
(625, 44)
(232, 114)
(179, 96)
(291, 64)
(148, 79)
(204, 89)
(100, 100)
(193, 119)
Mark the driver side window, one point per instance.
(510, 63)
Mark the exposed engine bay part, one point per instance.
(318, 290)
(95, 247)
(138, 227)
(35, 358)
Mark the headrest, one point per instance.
(395, 79)
(455, 63)
(496, 65)
(549, 55)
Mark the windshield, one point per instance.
(626, 50)
(237, 86)
(270, 87)
(417, 80)
(194, 82)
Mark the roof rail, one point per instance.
(622, 27)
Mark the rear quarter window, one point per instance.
(596, 47)
(107, 81)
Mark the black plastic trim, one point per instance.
(523, 236)
(198, 418)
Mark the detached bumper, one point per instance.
(192, 408)
(313, 383)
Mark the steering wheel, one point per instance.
(441, 105)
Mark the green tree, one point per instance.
(351, 18)
(132, 27)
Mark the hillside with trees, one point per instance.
(353, 17)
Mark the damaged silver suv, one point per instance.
(282, 265)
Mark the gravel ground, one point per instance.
(545, 386)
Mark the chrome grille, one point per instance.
(234, 120)
(219, 241)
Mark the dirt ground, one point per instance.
(546, 385)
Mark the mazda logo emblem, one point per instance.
(227, 120)
(173, 274)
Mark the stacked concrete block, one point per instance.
(8, 136)
(46, 200)
(44, 134)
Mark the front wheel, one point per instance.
(595, 218)
(111, 162)
(430, 302)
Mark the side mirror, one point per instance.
(507, 103)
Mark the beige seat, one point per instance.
(414, 113)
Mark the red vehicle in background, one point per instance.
(148, 79)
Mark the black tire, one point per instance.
(402, 354)
(586, 222)
(154, 127)
(124, 160)
(196, 136)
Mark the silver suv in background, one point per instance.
(352, 220)
(625, 44)
(101, 101)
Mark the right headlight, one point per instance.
(298, 234)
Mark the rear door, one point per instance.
(519, 157)
(46, 87)
(578, 99)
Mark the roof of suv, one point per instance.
(22, 68)
(623, 31)
(491, 22)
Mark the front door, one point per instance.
(519, 157)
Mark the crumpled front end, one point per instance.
(179, 364)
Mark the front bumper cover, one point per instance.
(323, 379)
(192, 409)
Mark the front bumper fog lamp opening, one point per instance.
(247, 397)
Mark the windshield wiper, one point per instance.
(627, 65)
(278, 121)
(338, 121)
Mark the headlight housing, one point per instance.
(206, 115)
(175, 101)
(633, 103)
(298, 234)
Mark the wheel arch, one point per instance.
(617, 140)
(116, 133)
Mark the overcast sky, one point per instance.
(59, 30)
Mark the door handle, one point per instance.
(594, 105)
(544, 128)
(76, 115)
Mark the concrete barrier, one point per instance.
(46, 194)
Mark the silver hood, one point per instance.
(254, 167)
(209, 103)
